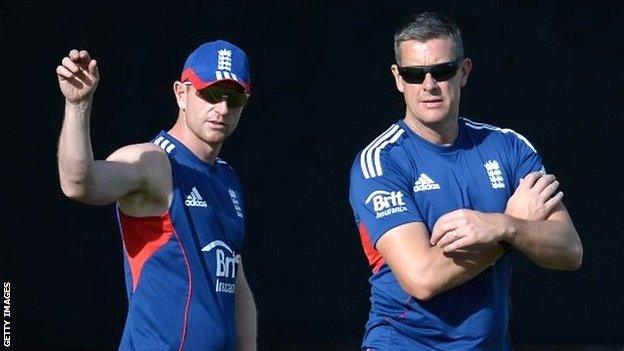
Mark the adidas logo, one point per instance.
(195, 200)
(425, 183)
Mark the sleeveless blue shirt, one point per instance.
(181, 266)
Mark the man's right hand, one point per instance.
(535, 198)
(78, 76)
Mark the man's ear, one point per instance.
(464, 70)
(179, 90)
(400, 84)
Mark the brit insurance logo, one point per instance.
(494, 173)
(226, 263)
(386, 203)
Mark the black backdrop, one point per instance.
(321, 90)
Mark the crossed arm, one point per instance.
(543, 233)
(465, 242)
(424, 271)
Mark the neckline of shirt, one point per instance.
(456, 145)
(193, 158)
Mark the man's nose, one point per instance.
(429, 83)
(221, 107)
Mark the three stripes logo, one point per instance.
(164, 144)
(194, 199)
(370, 158)
(425, 183)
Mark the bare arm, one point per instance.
(546, 236)
(424, 271)
(78, 78)
(129, 171)
(246, 315)
(551, 243)
(463, 242)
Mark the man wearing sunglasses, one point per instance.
(440, 201)
(179, 206)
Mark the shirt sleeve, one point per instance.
(524, 157)
(382, 202)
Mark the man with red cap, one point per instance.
(179, 206)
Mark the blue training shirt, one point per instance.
(401, 178)
(181, 267)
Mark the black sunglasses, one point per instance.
(440, 72)
(215, 95)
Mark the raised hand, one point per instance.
(78, 76)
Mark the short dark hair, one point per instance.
(426, 26)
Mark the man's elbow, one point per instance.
(575, 260)
(81, 192)
(571, 260)
(423, 293)
(75, 185)
(74, 190)
(421, 289)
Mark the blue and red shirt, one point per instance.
(181, 266)
(401, 178)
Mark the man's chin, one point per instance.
(215, 136)
(433, 117)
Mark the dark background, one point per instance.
(322, 90)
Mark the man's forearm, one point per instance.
(552, 243)
(75, 155)
(246, 318)
(448, 270)
(425, 270)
